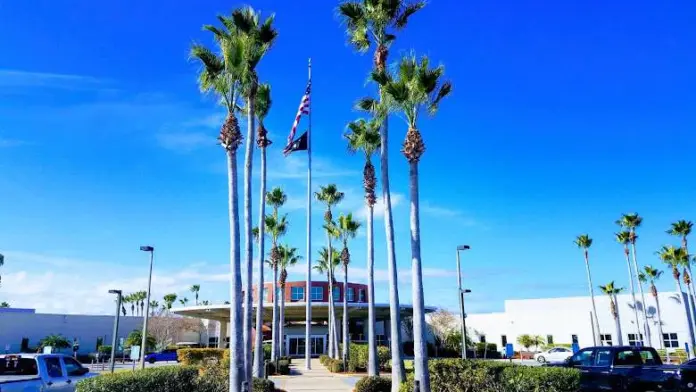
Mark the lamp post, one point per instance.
(115, 337)
(147, 305)
(461, 298)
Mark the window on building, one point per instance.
(482, 338)
(317, 293)
(361, 295)
(350, 294)
(503, 340)
(633, 339)
(297, 293)
(265, 294)
(336, 294)
(574, 339)
(606, 339)
(549, 339)
(670, 340)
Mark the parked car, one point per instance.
(162, 356)
(40, 373)
(554, 355)
(624, 369)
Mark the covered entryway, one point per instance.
(296, 345)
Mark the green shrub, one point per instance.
(373, 384)
(359, 356)
(166, 378)
(335, 365)
(262, 385)
(324, 359)
(104, 350)
(267, 348)
(285, 358)
(522, 378)
(283, 367)
(200, 356)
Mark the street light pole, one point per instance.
(115, 337)
(147, 305)
(461, 299)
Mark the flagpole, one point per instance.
(308, 291)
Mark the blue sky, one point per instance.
(563, 117)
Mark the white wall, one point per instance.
(36, 326)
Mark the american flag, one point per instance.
(304, 109)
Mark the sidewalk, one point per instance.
(317, 379)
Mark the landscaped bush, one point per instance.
(167, 378)
(270, 368)
(200, 356)
(283, 367)
(334, 365)
(285, 358)
(263, 385)
(373, 384)
(530, 379)
(359, 356)
(324, 359)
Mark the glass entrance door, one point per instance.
(296, 346)
(317, 345)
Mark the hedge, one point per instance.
(201, 356)
(457, 375)
(359, 356)
(166, 378)
(373, 384)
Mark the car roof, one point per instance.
(31, 355)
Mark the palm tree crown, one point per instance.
(288, 257)
(276, 198)
(630, 222)
(364, 136)
(263, 106)
(330, 196)
(583, 241)
(650, 275)
(323, 261)
(674, 257)
(347, 228)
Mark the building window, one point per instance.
(633, 339)
(574, 339)
(350, 294)
(336, 294)
(361, 295)
(549, 339)
(297, 293)
(606, 339)
(670, 340)
(317, 293)
(503, 340)
(265, 294)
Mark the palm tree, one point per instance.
(2, 262)
(195, 289)
(288, 258)
(205, 303)
(612, 291)
(223, 75)
(183, 301)
(130, 298)
(347, 229)
(650, 275)
(624, 238)
(153, 305)
(584, 242)
(276, 228)
(682, 229)
(169, 300)
(4, 304)
(416, 89)
(142, 296)
(330, 196)
(364, 136)
(323, 267)
(676, 258)
(263, 105)
(631, 222)
(374, 22)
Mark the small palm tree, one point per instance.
(288, 258)
(195, 289)
(347, 229)
(675, 258)
(584, 242)
(153, 305)
(205, 303)
(276, 227)
(184, 301)
(650, 275)
(131, 299)
(631, 222)
(142, 297)
(682, 229)
(4, 304)
(624, 238)
(2, 262)
(324, 267)
(612, 291)
(169, 300)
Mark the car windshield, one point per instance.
(17, 366)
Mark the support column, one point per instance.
(222, 336)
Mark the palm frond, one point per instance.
(263, 101)
(402, 19)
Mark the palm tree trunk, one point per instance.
(281, 324)
(633, 295)
(646, 327)
(258, 343)
(333, 352)
(617, 320)
(248, 237)
(398, 370)
(236, 354)
(346, 343)
(690, 287)
(659, 320)
(372, 363)
(274, 332)
(329, 314)
(420, 348)
(686, 317)
(598, 340)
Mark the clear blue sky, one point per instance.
(564, 116)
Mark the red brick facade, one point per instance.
(359, 291)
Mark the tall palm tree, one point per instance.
(257, 38)
(184, 301)
(169, 300)
(364, 136)
(675, 258)
(324, 267)
(330, 196)
(682, 229)
(2, 262)
(584, 242)
(276, 228)
(610, 290)
(650, 275)
(263, 105)
(631, 222)
(222, 75)
(131, 300)
(416, 89)
(195, 289)
(153, 305)
(347, 229)
(368, 23)
(624, 238)
(288, 258)
(142, 296)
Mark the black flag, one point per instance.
(299, 144)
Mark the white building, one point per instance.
(568, 320)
